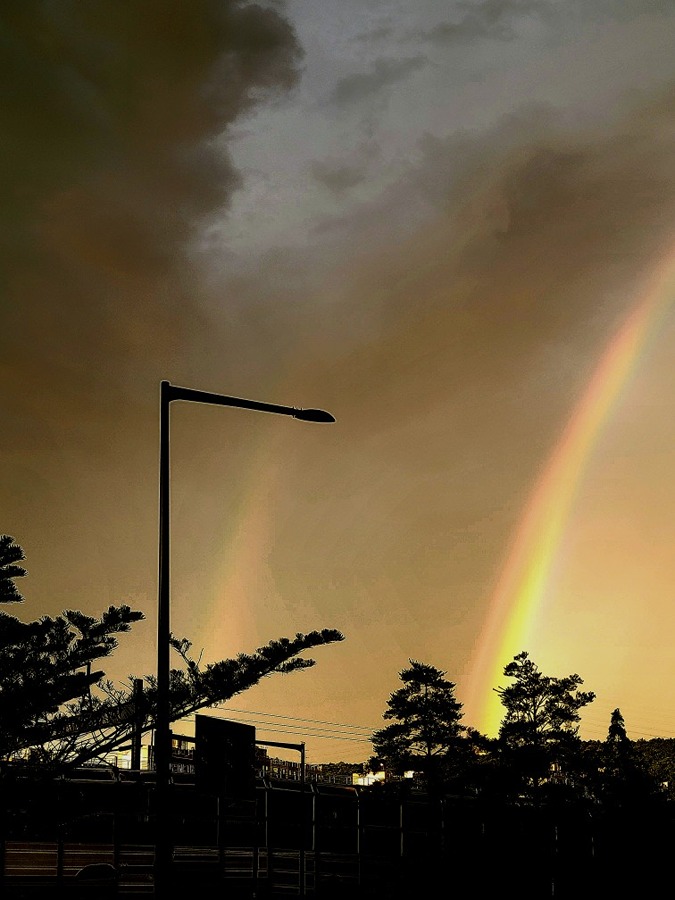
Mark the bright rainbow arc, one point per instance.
(520, 594)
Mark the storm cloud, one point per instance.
(110, 122)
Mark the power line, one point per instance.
(595, 725)
(292, 728)
(362, 734)
(328, 737)
(309, 732)
(298, 719)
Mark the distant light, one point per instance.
(313, 415)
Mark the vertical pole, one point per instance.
(266, 820)
(314, 845)
(138, 725)
(359, 840)
(303, 821)
(60, 853)
(162, 713)
(270, 850)
(221, 806)
(116, 831)
(400, 827)
(256, 845)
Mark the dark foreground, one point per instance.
(324, 842)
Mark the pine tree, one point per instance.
(616, 733)
(540, 729)
(426, 730)
(58, 711)
(627, 777)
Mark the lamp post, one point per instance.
(168, 393)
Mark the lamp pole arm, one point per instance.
(174, 392)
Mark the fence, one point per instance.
(316, 841)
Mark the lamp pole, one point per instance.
(162, 749)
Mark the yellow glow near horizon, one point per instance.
(519, 598)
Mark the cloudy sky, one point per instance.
(452, 225)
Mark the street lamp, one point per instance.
(162, 749)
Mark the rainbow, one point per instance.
(241, 575)
(518, 599)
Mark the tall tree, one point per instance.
(58, 711)
(540, 728)
(426, 730)
(616, 733)
(627, 777)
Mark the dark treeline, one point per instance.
(538, 757)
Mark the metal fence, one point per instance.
(95, 838)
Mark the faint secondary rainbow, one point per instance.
(243, 583)
(521, 590)
(241, 580)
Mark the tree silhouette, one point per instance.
(616, 733)
(427, 728)
(627, 777)
(10, 554)
(539, 731)
(57, 711)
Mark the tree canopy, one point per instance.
(426, 727)
(57, 710)
(541, 722)
(628, 776)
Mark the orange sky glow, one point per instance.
(452, 225)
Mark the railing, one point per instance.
(289, 842)
(321, 843)
(55, 869)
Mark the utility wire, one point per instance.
(310, 731)
(361, 733)
(297, 719)
(328, 737)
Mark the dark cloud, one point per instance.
(113, 129)
(383, 73)
(108, 120)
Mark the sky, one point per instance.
(451, 225)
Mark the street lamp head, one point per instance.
(313, 415)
